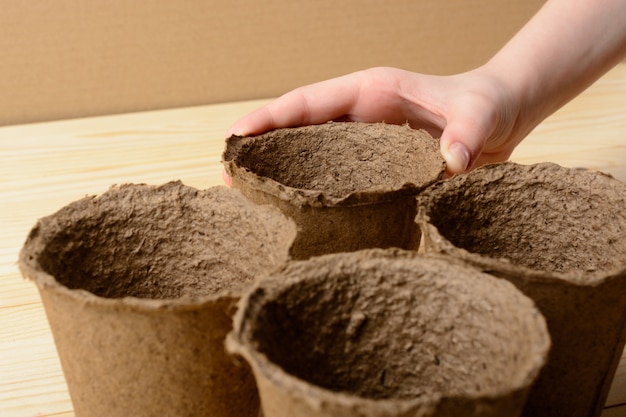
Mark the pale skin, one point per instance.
(479, 116)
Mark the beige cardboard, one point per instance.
(70, 58)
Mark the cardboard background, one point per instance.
(71, 58)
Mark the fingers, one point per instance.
(457, 157)
(312, 104)
(469, 117)
(464, 137)
(461, 145)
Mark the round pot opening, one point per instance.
(543, 217)
(340, 159)
(373, 326)
(163, 242)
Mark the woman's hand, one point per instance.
(481, 115)
(473, 114)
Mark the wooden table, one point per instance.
(48, 165)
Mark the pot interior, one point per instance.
(162, 242)
(543, 217)
(389, 329)
(341, 158)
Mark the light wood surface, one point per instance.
(48, 165)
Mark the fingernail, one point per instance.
(231, 132)
(236, 130)
(458, 157)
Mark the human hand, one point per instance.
(475, 115)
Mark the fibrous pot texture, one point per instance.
(542, 217)
(139, 285)
(559, 234)
(160, 242)
(335, 163)
(348, 186)
(389, 333)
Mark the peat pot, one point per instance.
(348, 186)
(385, 332)
(139, 285)
(559, 235)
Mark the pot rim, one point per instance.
(40, 236)
(303, 389)
(317, 198)
(46, 282)
(237, 343)
(502, 265)
(320, 198)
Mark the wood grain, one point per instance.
(45, 166)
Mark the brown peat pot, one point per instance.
(386, 332)
(139, 286)
(348, 186)
(559, 235)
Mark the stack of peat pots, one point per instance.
(338, 313)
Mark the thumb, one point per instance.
(462, 143)
(457, 157)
